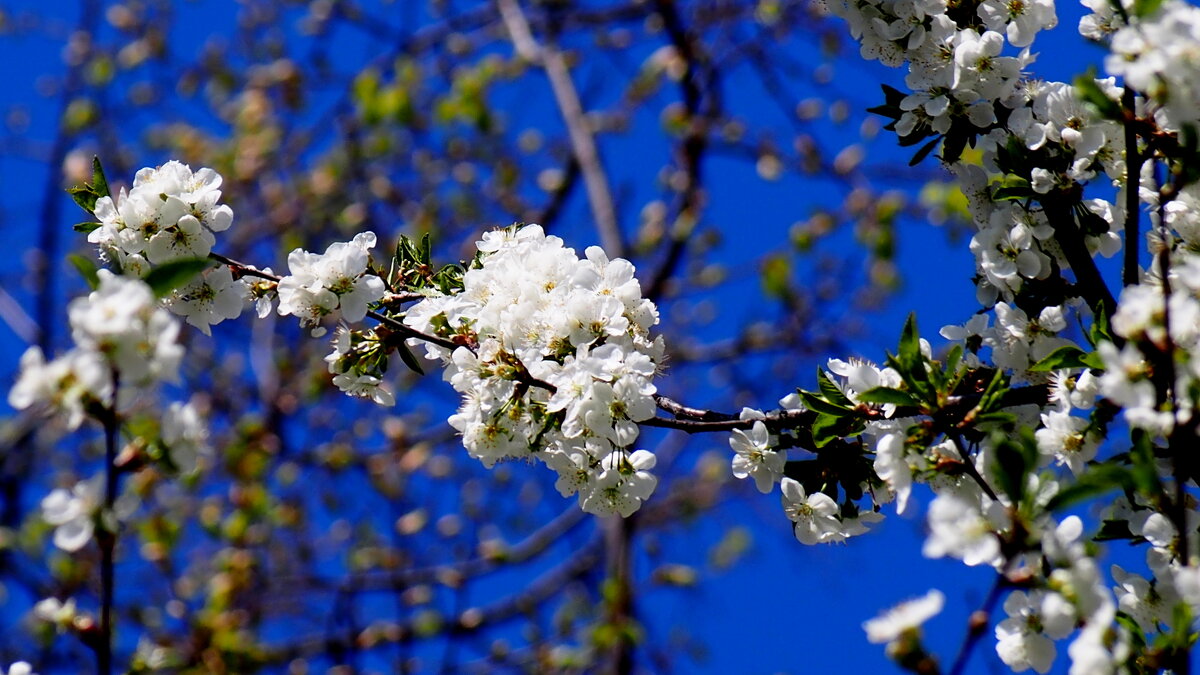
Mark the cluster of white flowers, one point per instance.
(170, 213)
(1158, 56)
(119, 328)
(1040, 145)
(123, 339)
(1141, 318)
(955, 71)
(556, 363)
(354, 371)
(334, 284)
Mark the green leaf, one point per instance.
(86, 227)
(1100, 331)
(888, 395)
(1145, 467)
(424, 254)
(924, 151)
(1113, 529)
(1067, 356)
(1144, 8)
(1014, 459)
(997, 418)
(910, 343)
(994, 393)
(168, 277)
(84, 197)
(1012, 187)
(1095, 481)
(409, 359)
(99, 182)
(953, 360)
(1090, 92)
(831, 392)
(828, 428)
(820, 405)
(87, 269)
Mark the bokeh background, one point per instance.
(765, 210)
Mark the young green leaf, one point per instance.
(831, 392)
(168, 277)
(87, 269)
(84, 197)
(820, 405)
(409, 359)
(888, 395)
(1067, 356)
(99, 182)
(1093, 482)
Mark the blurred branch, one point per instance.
(545, 587)
(529, 547)
(692, 147)
(17, 319)
(583, 142)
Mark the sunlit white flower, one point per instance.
(814, 516)
(754, 457)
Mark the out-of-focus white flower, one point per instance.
(73, 513)
(122, 321)
(905, 617)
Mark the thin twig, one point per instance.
(977, 625)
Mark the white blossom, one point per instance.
(905, 617)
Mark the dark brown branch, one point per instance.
(108, 540)
(537, 592)
(1088, 282)
(1133, 174)
(692, 147)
